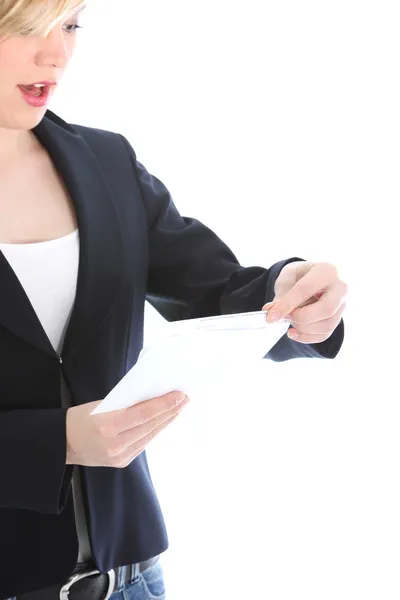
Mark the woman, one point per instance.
(86, 235)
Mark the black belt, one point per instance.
(88, 583)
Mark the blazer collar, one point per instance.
(101, 253)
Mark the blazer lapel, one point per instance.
(101, 252)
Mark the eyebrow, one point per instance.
(79, 10)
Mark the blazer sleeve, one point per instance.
(193, 273)
(33, 472)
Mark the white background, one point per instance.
(277, 125)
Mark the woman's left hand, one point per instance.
(310, 295)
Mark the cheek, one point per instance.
(13, 60)
(71, 47)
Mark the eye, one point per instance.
(75, 28)
(28, 32)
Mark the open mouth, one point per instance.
(34, 90)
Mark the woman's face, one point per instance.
(25, 60)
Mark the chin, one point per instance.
(37, 117)
(26, 119)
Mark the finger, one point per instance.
(320, 277)
(139, 445)
(303, 338)
(123, 462)
(325, 327)
(325, 308)
(124, 439)
(145, 411)
(136, 454)
(268, 306)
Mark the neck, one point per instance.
(15, 144)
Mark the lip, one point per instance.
(36, 101)
(47, 83)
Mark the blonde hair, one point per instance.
(33, 17)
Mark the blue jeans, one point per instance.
(148, 586)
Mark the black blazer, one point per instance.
(134, 246)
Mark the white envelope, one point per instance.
(191, 354)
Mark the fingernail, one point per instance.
(273, 316)
(293, 334)
(180, 398)
(267, 306)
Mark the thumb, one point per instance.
(269, 305)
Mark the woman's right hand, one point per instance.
(115, 439)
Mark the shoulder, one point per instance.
(102, 140)
(94, 136)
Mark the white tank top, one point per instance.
(48, 272)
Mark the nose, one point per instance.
(54, 50)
